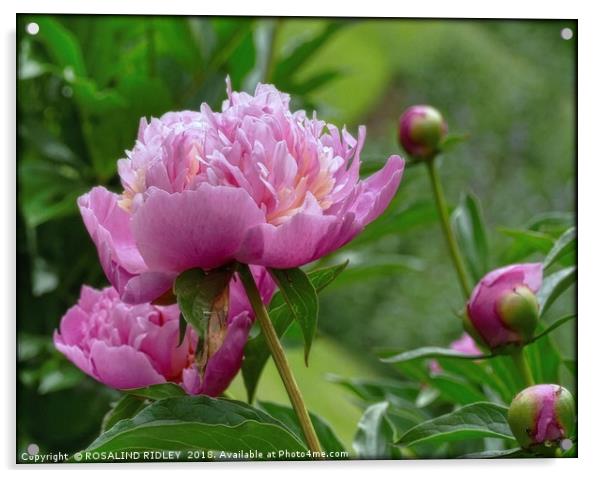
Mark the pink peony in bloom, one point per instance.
(255, 183)
(503, 309)
(465, 345)
(130, 346)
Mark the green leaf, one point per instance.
(456, 389)
(428, 352)
(374, 436)
(526, 242)
(201, 422)
(126, 407)
(377, 390)
(364, 266)
(302, 300)
(303, 52)
(157, 392)
(451, 141)
(47, 190)
(544, 360)
(61, 44)
(286, 415)
(469, 229)
(477, 420)
(479, 373)
(554, 285)
(197, 292)
(510, 453)
(564, 245)
(420, 213)
(256, 350)
(553, 223)
(313, 83)
(56, 375)
(554, 325)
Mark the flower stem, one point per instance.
(521, 364)
(284, 369)
(452, 245)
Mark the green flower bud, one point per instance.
(421, 129)
(519, 310)
(541, 416)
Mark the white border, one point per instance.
(589, 201)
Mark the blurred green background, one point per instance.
(84, 82)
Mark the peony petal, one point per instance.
(108, 226)
(225, 363)
(161, 345)
(378, 191)
(301, 239)
(147, 287)
(75, 354)
(72, 327)
(195, 228)
(191, 380)
(122, 366)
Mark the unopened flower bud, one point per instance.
(421, 129)
(519, 310)
(503, 311)
(541, 416)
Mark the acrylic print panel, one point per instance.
(295, 239)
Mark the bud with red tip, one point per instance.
(503, 311)
(541, 416)
(421, 129)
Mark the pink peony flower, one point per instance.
(465, 345)
(130, 346)
(503, 309)
(255, 183)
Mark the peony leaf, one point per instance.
(126, 407)
(428, 352)
(302, 53)
(287, 416)
(554, 285)
(158, 391)
(377, 390)
(468, 226)
(565, 244)
(477, 420)
(256, 350)
(554, 325)
(526, 242)
(197, 423)
(375, 434)
(197, 291)
(302, 299)
(509, 453)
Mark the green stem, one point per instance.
(284, 369)
(452, 245)
(521, 364)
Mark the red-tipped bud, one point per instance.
(421, 129)
(503, 311)
(541, 416)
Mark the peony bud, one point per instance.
(421, 129)
(541, 416)
(503, 311)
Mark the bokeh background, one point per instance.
(84, 82)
